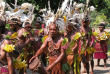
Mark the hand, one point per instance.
(32, 59)
(49, 68)
(98, 41)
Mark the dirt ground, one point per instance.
(101, 69)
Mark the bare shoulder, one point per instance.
(48, 39)
(6, 42)
(20, 32)
(61, 37)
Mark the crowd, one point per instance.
(55, 45)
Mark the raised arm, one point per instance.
(39, 52)
(20, 34)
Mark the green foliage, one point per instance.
(100, 18)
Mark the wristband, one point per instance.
(36, 56)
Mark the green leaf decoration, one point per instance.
(65, 40)
(8, 26)
(65, 67)
(7, 37)
(44, 38)
(68, 51)
(75, 64)
(78, 69)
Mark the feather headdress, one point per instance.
(18, 12)
(68, 13)
(2, 8)
(49, 16)
(75, 12)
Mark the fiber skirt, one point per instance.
(101, 50)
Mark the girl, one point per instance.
(101, 46)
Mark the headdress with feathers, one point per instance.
(2, 8)
(49, 16)
(67, 13)
(18, 12)
(75, 11)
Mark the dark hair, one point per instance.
(2, 26)
(26, 23)
(102, 25)
(15, 21)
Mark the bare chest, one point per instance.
(54, 47)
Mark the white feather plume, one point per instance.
(50, 17)
(64, 4)
(2, 7)
(60, 23)
(92, 8)
(18, 12)
(27, 6)
(70, 12)
(79, 5)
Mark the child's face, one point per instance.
(101, 28)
